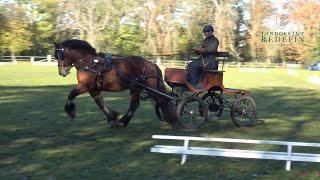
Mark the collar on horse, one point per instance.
(92, 67)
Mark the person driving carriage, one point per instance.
(207, 60)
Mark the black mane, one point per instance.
(79, 45)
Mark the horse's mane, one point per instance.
(79, 45)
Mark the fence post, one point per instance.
(288, 163)
(185, 147)
(49, 58)
(14, 59)
(32, 59)
(158, 61)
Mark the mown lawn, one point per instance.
(38, 141)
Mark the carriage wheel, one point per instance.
(215, 105)
(243, 112)
(192, 112)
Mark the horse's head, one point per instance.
(64, 64)
(73, 52)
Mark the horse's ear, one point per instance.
(55, 44)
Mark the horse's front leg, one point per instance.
(134, 104)
(70, 107)
(109, 114)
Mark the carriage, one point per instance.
(196, 106)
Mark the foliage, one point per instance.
(147, 27)
(16, 37)
(42, 26)
(307, 16)
(3, 22)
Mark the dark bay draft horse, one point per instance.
(93, 77)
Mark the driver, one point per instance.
(207, 51)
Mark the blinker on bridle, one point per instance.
(60, 54)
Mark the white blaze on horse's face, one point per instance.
(63, 70)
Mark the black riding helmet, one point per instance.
(208, 28)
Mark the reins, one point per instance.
(139, 83)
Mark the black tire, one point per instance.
(215, 105)
(192, 112)
(244, 112)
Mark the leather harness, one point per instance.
(100, 74)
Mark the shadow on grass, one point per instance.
(39, 141)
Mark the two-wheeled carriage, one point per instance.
(195, 106)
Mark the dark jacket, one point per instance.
(211, 44)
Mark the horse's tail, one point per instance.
(161, 86)
(164, 106)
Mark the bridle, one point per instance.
(60, 56)
(60, 53)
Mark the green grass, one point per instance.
(38, 141)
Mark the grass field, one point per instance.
(38, 141)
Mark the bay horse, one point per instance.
(93, 78)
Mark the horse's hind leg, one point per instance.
(109, 114)
(134, 104)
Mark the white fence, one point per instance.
(35, 60)
(49, 60)
(186, 149)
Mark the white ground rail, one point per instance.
(186, 149)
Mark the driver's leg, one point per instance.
(194, 72)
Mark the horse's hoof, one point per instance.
(124, 120)
(115, 124)
(113, 116)
(72, 117)
(70, 109)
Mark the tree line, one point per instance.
(159, 27)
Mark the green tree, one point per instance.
(42, 24)
(127, 40)
(241, 33)
(123, 34)
(3, 28)
(259, 10)
(17, 36)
